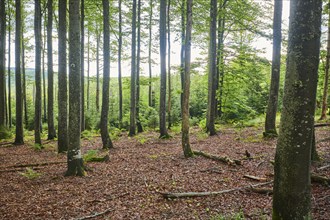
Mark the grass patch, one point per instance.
(30, 173)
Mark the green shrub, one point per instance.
(30, 173)
(5, 133)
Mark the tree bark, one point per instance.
(75, 161)
(162, 98)
(37, 107)
(2, 64)
(107, 143)
(50, 72)
(292, 191)
(62, 79)
(326, 75)
(270, 122)
(182, 52)
(186, 92)
(88, 68)
(138, 61)
(9, 70)
(120, 86)
(18, 80)
(82, 26)
(151, 104)
(98, 71)
(26, 120)
(212, 77)
(44, 73)
(169, 103)
(132, 127)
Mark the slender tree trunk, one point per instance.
(182, 53)
(75, 161)
(107, 143)
(132, 127)
(138, 60)
(326, 75)
(162, 98)
(44, 75)
(82, 8)
(37, 106)
(149, 55)
(292, 187)
(50, 113)
(88, 67)
(9, 70)
(26, 120)
(98, 72)
(120, 43)
(212, 78)
(18, 81)
(2, 63)
(186, 92)
(270, 123)
(169, 103)
(62, 79)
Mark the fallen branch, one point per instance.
(255, 178)
(94, 215)
(169, 195)
(324, 167)
(16, 170)
(35, 164)
(217, 158)
(267, 191)
(320, 179)
(321, 125)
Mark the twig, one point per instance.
(15, 170)
(95, 215)
(35, 164)
(255, 178)
(324, 167)
(169, 195)
(321, 125)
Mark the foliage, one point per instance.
(30, 173)
(89, 155)
(5, 133)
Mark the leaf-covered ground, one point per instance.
(140, 168)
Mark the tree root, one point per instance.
(217, 158)
(169, 195)
(95, 215)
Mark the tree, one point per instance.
(82, 26)
(50, 72)
(186, 92)
(62, 78)
(26, 120)
(138, 61)
(98, 36)
(18, 81)
(162, 98)
(88, 67)
(75, 161)
(182, 52)
(2, 64)
(292, 190)
(270, 123)
(169, 105)
(37, 107)
(132, 126)
(107, 143)
(150, 102)
(9, 60)
(120, 86)
(212, 77)
(326, 75)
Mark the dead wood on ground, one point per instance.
(225, 159)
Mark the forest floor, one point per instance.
(129, 185)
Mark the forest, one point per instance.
(187, 109)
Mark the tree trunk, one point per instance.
(107, 143)
(37, 106)
(326, 75)
(270, 123)
(149, 55)
(9, 70)
(120, 43)
(88, 67)
(50, 72)
(82, 26)
(182, 52)
(169, 65)
(212, 77)
(26, 120)
(132, 126)
(44, 74)
(186, 92)
(18, 81)
(162, 98)
(2, 64)
(138, 60)
(98, 72)
(292, 191)
(75, 161)
(62, 79)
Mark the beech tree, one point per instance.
(150, 102)
(270, 122)
(75, 161)
(18, 80)
(162, 98)
(292, 188)
(9, 60)
(107, 143)
(37, 107)
(2, 64)
(138, 61)
(62, 78)
(82, 26)
(186, 92)
(120, 43)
